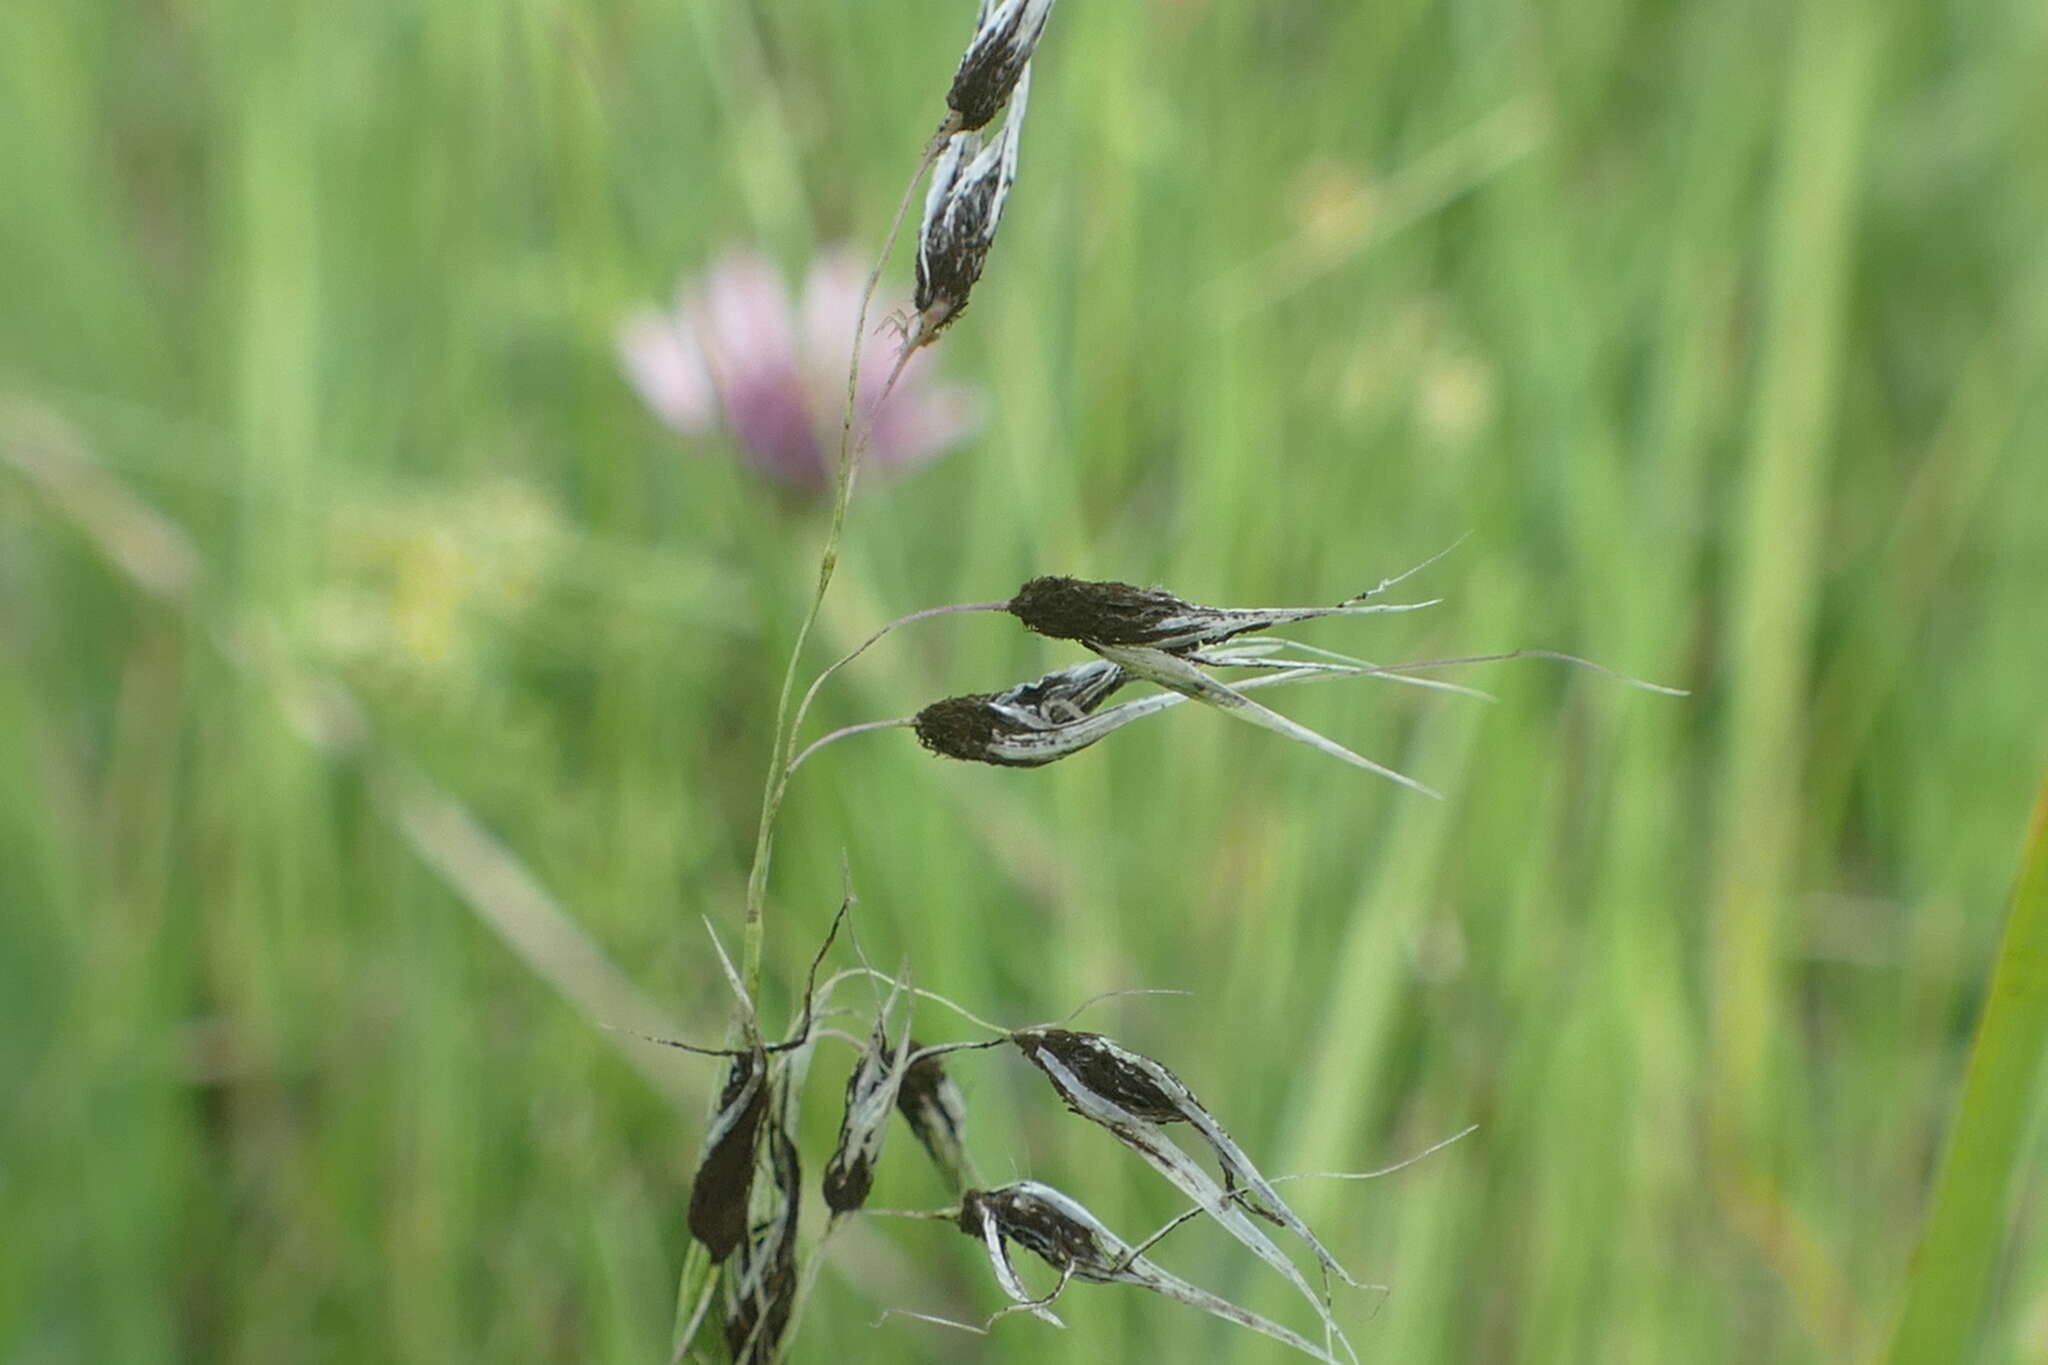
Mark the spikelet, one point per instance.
(962, 210)
(1005, 35)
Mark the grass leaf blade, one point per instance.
(1967, 1218)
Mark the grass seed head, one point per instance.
(725, 1176)
(1112, 613)
(1029, 725)
(1153, 1086)
(963, 208)
(931, 1103)
(1037, 1218)
(1005, 34)
(1135, 1082)
(1068, 1237)
(1108, 613)
(761, 1284)
(871, 1092)
(1063, 1233)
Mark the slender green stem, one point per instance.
(804, 706)
(828, 561)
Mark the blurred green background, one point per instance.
(1723, 329)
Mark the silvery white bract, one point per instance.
(1029, 725)
(1179, 673)
(871, 1092)
(1041, 722)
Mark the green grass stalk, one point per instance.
(1968, 1220)
(828, 561)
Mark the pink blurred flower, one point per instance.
(734, 351)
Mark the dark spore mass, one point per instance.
(988, 74)
(725, 1178)
(848, 1180)
(1030, 1222)
(959, 727)
(1104, 1069)
(1107, 613)
(980, 91)
(767, 1269)
(850, 1174)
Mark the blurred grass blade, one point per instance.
(1966, 1223)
